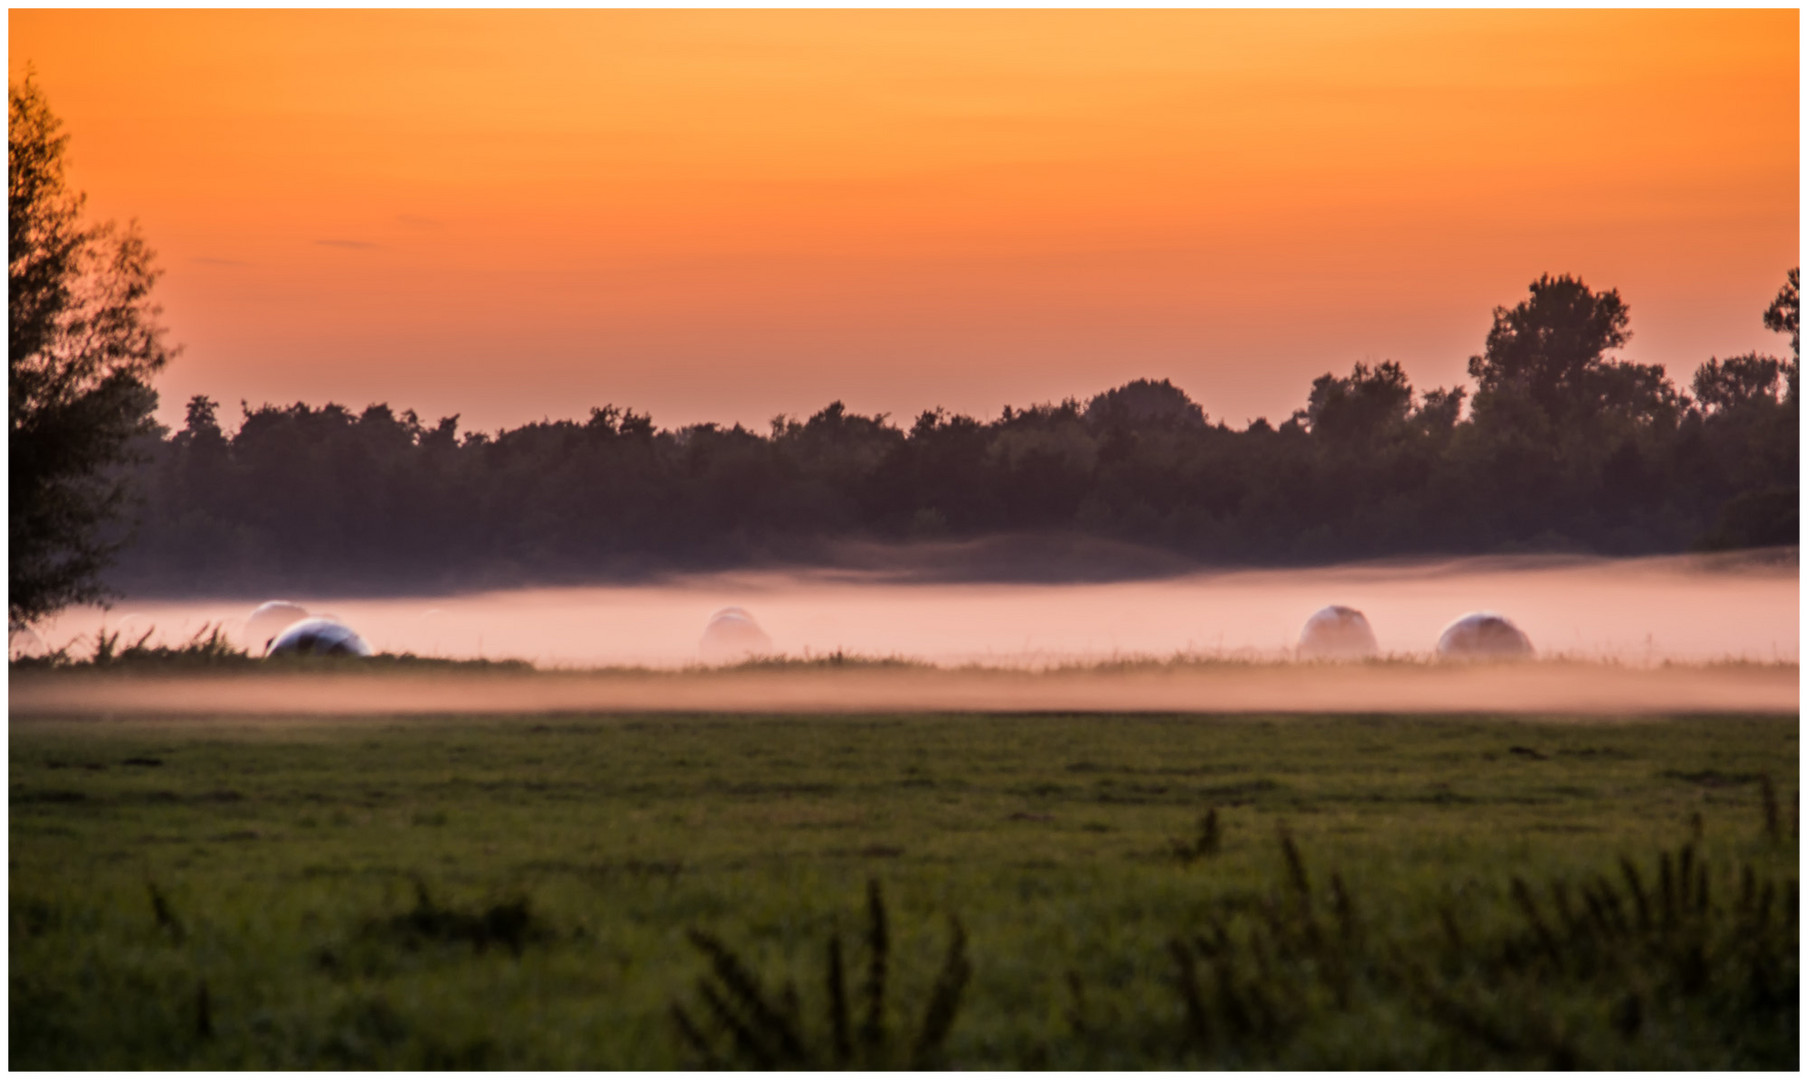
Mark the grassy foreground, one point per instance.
(976, 891)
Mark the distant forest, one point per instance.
(1557, 447)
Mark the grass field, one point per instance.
(1062, 891)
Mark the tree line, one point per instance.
(1558, 447)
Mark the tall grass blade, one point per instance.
(166, 915)
(842, 1044)
(944, 999)
(693, 1038)
(1522, 895)
(1773, 813)
(764, 1016)
(878, 945)
(746, 1039)
(1637, 888)
(203, 1012)
(1296, 866)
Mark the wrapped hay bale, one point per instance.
(1336, 633)
(318, 637)
(270, 619)
(1483, 635)
(732, 635)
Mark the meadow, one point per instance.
(1037, 890)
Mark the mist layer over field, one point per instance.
(1637, 611)
(1546, 689)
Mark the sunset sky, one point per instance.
(723, 215)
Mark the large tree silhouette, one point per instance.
(1552, 348)
(83, 342)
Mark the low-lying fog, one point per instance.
(1637, 610)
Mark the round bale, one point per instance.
(1483, 635)
(270, 619)
(732, 635)
(318, 637)
(1336, 633)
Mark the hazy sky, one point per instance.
(723, 215)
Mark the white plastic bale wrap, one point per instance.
(270, 619)
(1483, 635)
(319, 637)
(731, 635)
(1336, 633)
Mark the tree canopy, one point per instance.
(1552, 349)
(83, 342)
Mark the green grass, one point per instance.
(535, 891)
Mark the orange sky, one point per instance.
(723, 215)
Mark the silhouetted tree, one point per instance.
(943, 477)
(1552, 348)
(1785, 317)
(1439, 410)
(1638, 393)
(1361, 408)
(1145, 403)
(1042, 459)
(83, 343)
(1738, 382)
